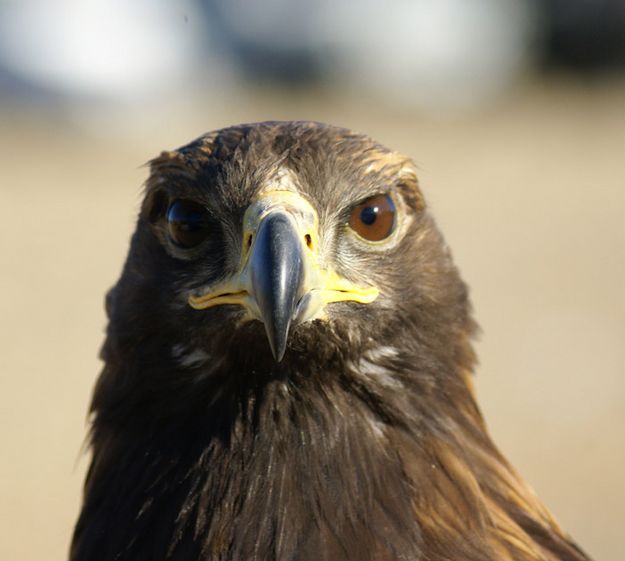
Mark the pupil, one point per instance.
(369, 215)
(191, 222)
(187, 220)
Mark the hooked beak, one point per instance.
(277, 277)
(280, 280)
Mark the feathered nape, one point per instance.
(366, 456)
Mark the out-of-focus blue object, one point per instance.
(419, 52)
(436, 55)
(431, 53)
(97, 48)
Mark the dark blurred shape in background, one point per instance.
(585, 35)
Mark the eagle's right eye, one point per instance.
(187, 223)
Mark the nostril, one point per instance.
(248, 241)
(308, 241)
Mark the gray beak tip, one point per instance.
(278, 354)
(277, 338)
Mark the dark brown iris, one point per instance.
(187, 223)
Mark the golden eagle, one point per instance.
(288, 370)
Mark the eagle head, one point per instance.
(282, 244)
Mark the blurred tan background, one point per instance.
(526, 178)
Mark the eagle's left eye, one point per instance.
(374, 218)
(187, 223)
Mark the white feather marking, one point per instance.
(377, 428)
(378, 373)
(178, 350)
(383, 351)
(189, 358)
